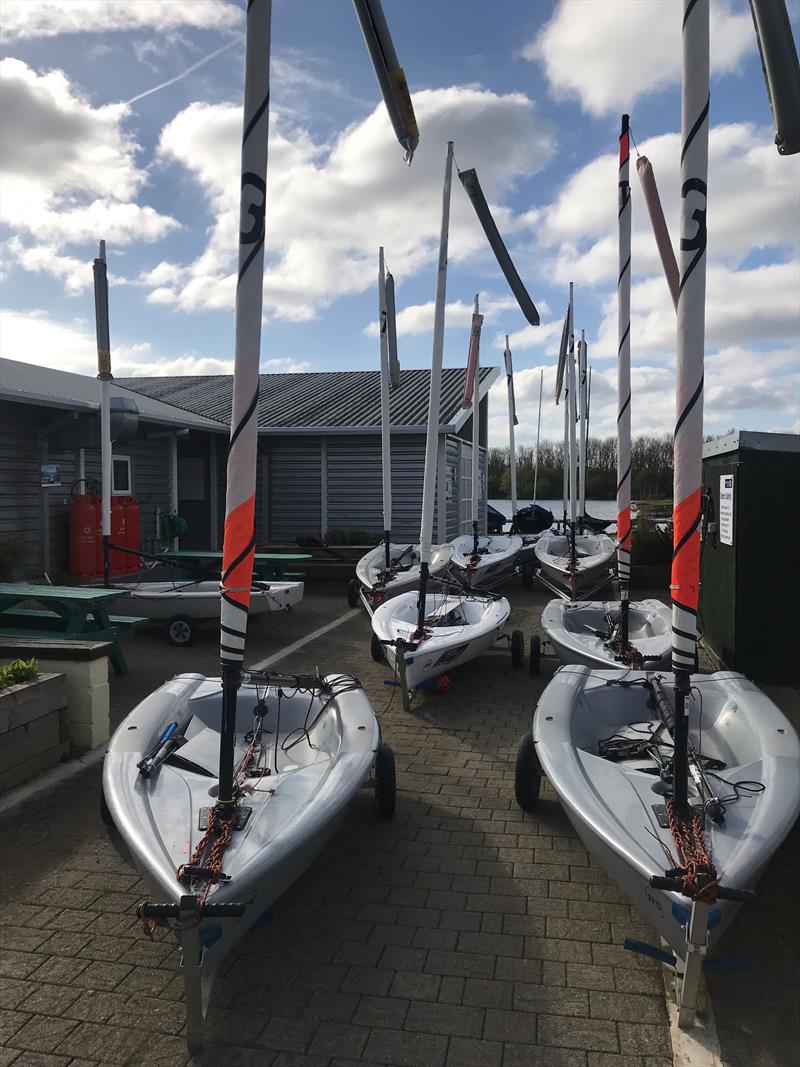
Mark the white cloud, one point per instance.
(329, 205)
(26, 19)
(608, 53)
(752, 204)
(89, 185)
(416, 319)
(32, 336)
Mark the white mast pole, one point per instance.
(689, 394)
(476, 431)
(386, 438)
(538, 434)
(512, 418)
(582, 425)
(565, 479)
(240, 499)
(432, 435)
(572, 414)
(105, 376)
(624, 379)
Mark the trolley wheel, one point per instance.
(535, 662)
(517, 649)
(385, 782)
(527, 577)
(376, 649)
(179, 631)
(527, 774)
(353, 592)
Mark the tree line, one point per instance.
(651, 469)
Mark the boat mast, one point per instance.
(538, 433)
(512, 422)
(582, 425)
(689, 393)
(475, 366)
(386, 439)
(572, 415)
(647, 178)
(106, 377)
(624, 379)
(240, 499)
(432, 435)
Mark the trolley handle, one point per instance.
(146, 910)
(675, 885)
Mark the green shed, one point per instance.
(750, 574)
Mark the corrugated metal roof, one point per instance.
(317, 399)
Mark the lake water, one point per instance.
(598, 509)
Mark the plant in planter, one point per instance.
(19, 670)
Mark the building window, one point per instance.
(121, 475)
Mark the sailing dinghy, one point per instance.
(572, 563)
(421, 632)
(681, 785)
(598, 633)
(389, 568)
(225, 789)
(481, 560)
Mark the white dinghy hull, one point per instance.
(316, 758)
(160, 601)
(611, 803)
(376, 586)
(595, 559)
(579, 632)
(497, 557)
(468, 625)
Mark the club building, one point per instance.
(319, 455)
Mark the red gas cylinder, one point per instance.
(118, 561)
(133, 531)
(84, 535)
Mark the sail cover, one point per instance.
(391, 333)
(644, 168)
(512, 404)
(472, 360)
(562, 357)
(391, 79)
(469, 179)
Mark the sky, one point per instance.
(121, 120)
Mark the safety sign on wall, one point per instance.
(726, 509)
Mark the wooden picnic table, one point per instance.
(269, 566)
(66, 612)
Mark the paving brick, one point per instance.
(488, 994)
(515, 1026)
(287, 1035)
(590, 976)
(43, 1033)
(51, 999)
(612, 1059)
(525, 1056)
(339, 1039)
(460, 964)
(373, 980)
(597, 1035)
(469, 1052)
(11, 1022)
(8, 1055)
(19, 964)
(449, 1019)
(387, 1012)
(415, 986)
(551, 1000)
(551, 948)
(451, 991)
(579, 930)
(14, 990)
(401, 958)
(642, 1039)
(335, 1007)
(404, 1049)
(491, 944)
(627, 1007)
(509, 969)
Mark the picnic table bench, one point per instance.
(66, 613)
(268, 566)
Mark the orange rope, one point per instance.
(696, 868)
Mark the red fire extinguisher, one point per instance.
(84, 535)
(118, 561)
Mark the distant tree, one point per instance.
(651, 469)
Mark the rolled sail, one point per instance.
(472, 360)
(391, 332)
(647, 178)
(469, 179)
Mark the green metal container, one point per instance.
(750, 566)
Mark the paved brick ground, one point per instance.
(464, 933)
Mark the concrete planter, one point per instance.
(30, 728)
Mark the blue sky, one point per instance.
(531, 94)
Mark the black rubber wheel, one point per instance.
(385, 783)
(527, 577)
(517, 649)
(535, 655)
(376, 649)
(179, 631)
(353, 592)
(527, 774)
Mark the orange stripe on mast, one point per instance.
(686, 555)
(239, 552)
